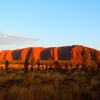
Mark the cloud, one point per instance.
(8, 39)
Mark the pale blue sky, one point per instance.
(49, 23)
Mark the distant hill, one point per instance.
(55, 53)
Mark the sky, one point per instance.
(49, 23)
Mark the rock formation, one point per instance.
(55, 53)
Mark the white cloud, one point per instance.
(8, 39)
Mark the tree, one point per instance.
(26, 64)
(86, 58)
(6, 66)
(57, 65)
(38, 63)
(97, 60)
(33, 61)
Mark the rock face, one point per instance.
(55, 53)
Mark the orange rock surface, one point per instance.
(55, 53)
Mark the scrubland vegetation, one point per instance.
(50, 84)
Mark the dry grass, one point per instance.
(45, 85)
